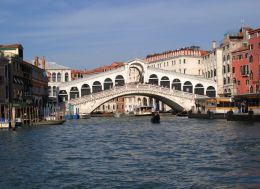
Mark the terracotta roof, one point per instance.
(11, 46)
(114, 65)
(254, 31)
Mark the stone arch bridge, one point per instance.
(170, 87)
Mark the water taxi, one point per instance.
(143, 111)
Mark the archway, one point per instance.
(211, 92)
(85, 90)
(187, 87)
(199, 89)
(108, 84)
(96, 87)
(74, 93)
(153, 79)
(165, 82)
(63, 96)
(119, 81)
(176, 84)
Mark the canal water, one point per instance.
(131, 152)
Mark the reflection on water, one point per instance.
(131, 152)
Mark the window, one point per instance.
(251, 75)
(238, 82)
(224, 58)
(251, 46)
(198, 61)
(247, 82)
(228, 80)
(66, 77)
(251, 59)
(53, 77)
(184, 70)
(58, 77)
(259, 45)
(224, 81)
(228, 57)
(215, 72)
(224, 69)
(184, 61)
(228, 68)
(233, 69)
(54, 91)
(180, 61)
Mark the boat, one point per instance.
(49, 122)
(4, 125)
(143, 111)
(155, 118)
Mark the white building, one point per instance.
(212, 66)
(57, 74)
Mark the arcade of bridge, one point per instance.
(119, 77)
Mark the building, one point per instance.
(26, 88)
(4, 87)
(212, 66)
(57, 74)
(246, 65)
(186, 60)
(230, 43)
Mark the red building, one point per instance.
(246, 65)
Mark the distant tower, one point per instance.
(43, 62)
(36, 61)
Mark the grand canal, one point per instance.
(131, 152)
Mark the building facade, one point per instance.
(26, 87)
(246, 65)
(185, 60)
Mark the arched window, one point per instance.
(176, 84)
(59, 77)
(224, 81)
(85, 90)
(66, 77)
(74, 93)
(119, 81)
(211, 92)
(54, 91)
(187, 87)
(96, 87)
(153, 79)
(199, 89)
(54, 77)
(108, 84)
(165, 82)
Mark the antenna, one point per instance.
(242, 22)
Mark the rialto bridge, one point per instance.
(136, 78)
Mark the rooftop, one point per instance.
(55, 66)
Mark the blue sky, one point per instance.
(85, 34)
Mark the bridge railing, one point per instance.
(134, 88)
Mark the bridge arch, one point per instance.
(119, 80)
(187, 87)
(199, 89)
(176, 84)
(85, 90)
(211, 91)
(74, 93)
(96, 87)
(108, 84)
(153, 79)
(165, 82)
(63, 95)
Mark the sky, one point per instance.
(85, 34)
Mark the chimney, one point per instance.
(43, 62)
(36, 61)
(214, 44)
